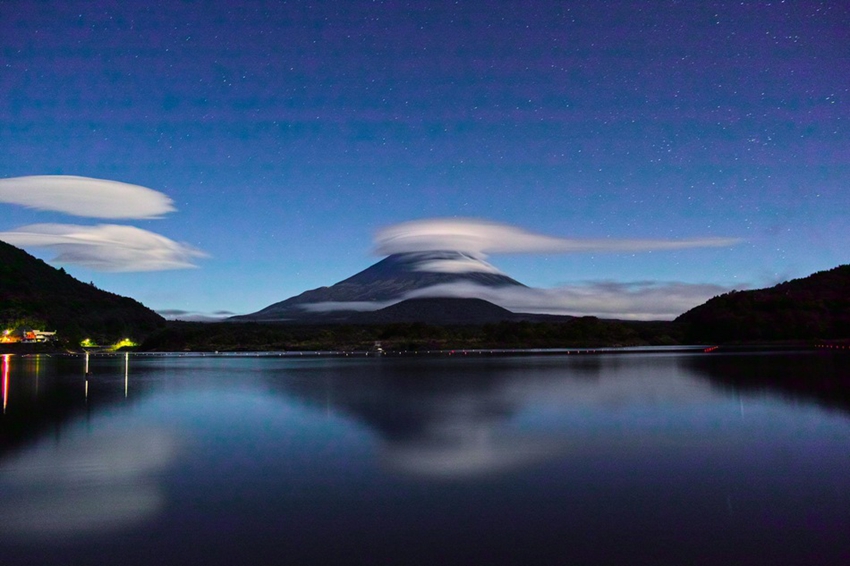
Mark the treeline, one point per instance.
(579, 332)
(37, 295)
(814, 307)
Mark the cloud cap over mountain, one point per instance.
(479, 237)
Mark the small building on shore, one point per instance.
(43, 336)
(27, 335)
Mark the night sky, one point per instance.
(278, 139)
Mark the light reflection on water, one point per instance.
(677, 457)
(5, 385)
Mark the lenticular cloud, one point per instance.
(84, 196)
(480, 237)
(107, 247)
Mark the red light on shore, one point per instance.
(5, 381)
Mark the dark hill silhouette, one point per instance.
(387, 280)
(439, 311)
(817, 306)
(33, 292)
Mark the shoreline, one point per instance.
(833, 346)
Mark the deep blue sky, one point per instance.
(287, 134)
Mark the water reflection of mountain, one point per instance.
(444, 418)
(821, 376)
(403, 399)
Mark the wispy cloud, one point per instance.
(85, 196)
(173, 312)
(482, 237)
(195, 316)
(456, 264)
(641, 300)
(106, 247)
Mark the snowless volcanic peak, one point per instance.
(390, 280)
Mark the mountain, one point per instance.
(388, 280)
(35, 294)
(817, 306)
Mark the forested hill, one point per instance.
(817, 306)
(35, 294)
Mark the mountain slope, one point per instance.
(32, 291)
(817, 306)
(389, 279)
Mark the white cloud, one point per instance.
(644, 300)
(196, 316)
(84, 196)
(482, 237)
(459, 264)
(106, 247)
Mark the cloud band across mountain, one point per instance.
(640, 300)
(481, 237)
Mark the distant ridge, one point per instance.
(31, 290)
(438, 311)
(389, 279)
(817, 306)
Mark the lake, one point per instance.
(640, 458)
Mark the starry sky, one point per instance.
(279, 139)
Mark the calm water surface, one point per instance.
(670, 458)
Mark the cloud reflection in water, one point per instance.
(87, 484)
(456, 421)
(444, 422)
(468, 450)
